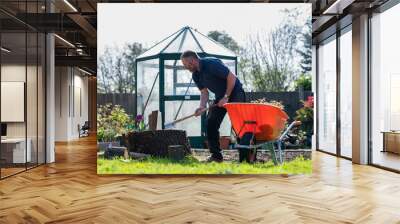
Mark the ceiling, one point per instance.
(76, 22)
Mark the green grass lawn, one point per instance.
(192, 166)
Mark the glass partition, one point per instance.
(327, 96)
(346, 94)
(14, 153)
(22, 67)
(385, 89)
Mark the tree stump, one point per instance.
(156, 143)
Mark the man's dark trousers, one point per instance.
(214, 119)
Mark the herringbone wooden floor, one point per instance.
(70, 191)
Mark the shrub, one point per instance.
(306, 115)
(303, 81)
(112, 121)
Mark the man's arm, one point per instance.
(203, 97)
(203, 101)
(230, 84)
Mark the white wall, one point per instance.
(71, 87)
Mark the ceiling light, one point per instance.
(70, 5)
(64, 40)
(84, 71)
(338, 6)
(5, 50)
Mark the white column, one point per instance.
(360, 90)
(50, 92)
(50, 100)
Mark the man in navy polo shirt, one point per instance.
(211, 74)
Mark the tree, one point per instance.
(306, 52)
(303, 82)
(117, 69)
(225, 39)
(104, 72)
(243, 64)
(272, 55)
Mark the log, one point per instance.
(176, 152)
(114, 151)
(138, 156)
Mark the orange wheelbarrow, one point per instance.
(258, 126)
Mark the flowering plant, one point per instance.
(306, 115)
(139, 121)
(112, 121)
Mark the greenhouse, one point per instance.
(164, 85)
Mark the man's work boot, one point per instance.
(215, 158)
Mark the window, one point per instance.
(327, 96)
(346, 93)
(22, 77)
(385, 89)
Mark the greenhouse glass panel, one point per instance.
(226, 126)
(176, 45)
(178, 80)
(193, 125)
(156, 49)
(147, 87)
(191, 44)
(231, 65)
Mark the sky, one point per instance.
(148, 23)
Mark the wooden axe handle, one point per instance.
(192, 115)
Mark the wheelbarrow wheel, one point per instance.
(245, 154)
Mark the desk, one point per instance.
(391, 141)
(13, 150)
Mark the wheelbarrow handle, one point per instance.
(294, 123)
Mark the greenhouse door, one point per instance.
(180, 98)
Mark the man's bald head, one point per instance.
(190, 60)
